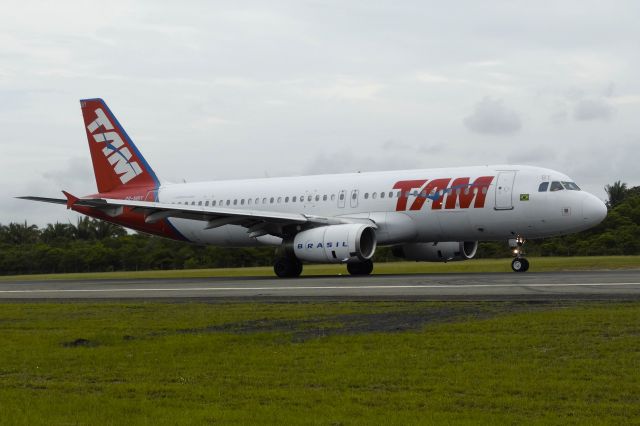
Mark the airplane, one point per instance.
(433, 215)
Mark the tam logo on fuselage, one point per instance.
(114, 150)
(461, 193)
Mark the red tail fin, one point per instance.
(117, 163)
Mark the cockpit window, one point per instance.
(571, 186)
(543, 187)
(556, 186)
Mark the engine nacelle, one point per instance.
(448, 251)
(336, 243)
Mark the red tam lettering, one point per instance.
(434, 186)
(464, 193)
(405, 186)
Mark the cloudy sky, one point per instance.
(223, 90)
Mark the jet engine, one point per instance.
(448, 251)
(336, 243)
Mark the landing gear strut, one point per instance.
(287, 267)
(360, 268)
(519, 263)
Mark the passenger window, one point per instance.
(271, 200)
(279, 200)
(257, 201)
(317, 198)
(286, 199)
(324, 197)
(206, 203)
(354, 195)
(333, 197)
(556, 186)
(309, 197)
(382, 195)
(264, 201)
(398, 194)
(366, 195)
(242, 202)
(293, 200)
(543, 187)
(249, 201)
(374, 195)
(228, 202)
(213, 203)
(235, 202)
(341, 196)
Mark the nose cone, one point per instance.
(593, 210)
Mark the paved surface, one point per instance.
(598, 285)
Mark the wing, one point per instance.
(257, 222)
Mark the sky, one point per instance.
(223, 90)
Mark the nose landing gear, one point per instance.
(519, 262)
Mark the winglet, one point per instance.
(71, 199)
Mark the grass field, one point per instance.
(312, 363)
(539, 264)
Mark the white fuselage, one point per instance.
(493, 203)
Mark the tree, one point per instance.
(616, 192)
(57, 233)
(18, 233)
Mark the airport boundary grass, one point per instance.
(312, 363)
(538, 264)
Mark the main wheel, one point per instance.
(520, 264)
(360, 268)
(287, 267)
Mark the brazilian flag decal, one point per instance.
(524, 197)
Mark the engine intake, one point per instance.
(336, 243)
(448, 251)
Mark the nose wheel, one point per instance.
(519, 263)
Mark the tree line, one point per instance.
(92, 245)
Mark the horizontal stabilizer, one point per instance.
(45, 200)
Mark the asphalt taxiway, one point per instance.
(584, 285)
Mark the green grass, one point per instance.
(538, 264)
(313, 363)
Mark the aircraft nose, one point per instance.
(593, 210)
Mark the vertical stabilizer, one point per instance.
(117, 163)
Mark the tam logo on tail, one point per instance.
(119, 167)
(117, 154)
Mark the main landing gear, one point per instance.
(287, 267)
(519, 262)
(360, 268)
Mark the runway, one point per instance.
(587, 285)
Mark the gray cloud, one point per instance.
(491, 116)
(592, 109)
(349, 162)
